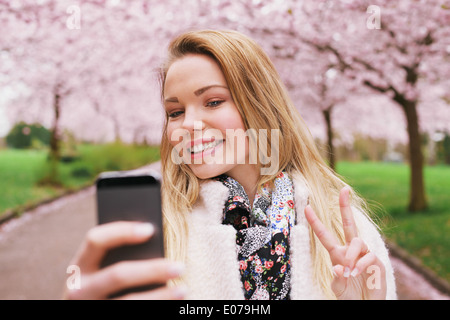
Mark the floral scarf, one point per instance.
(262, 236)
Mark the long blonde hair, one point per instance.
(263, 103)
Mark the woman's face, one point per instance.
(201, 114)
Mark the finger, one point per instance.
(348, 223)
(369, 259)
(339, 283)
(129, 274)
(324, 236)
(165, 293)
(104, 237)
(355, 250)
(376, 275)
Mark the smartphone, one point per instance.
(131, 196)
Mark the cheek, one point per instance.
(175, 135)
(169, 132)
(230, 120)
(236, 146)
(176, 138)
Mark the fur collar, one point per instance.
(212, 269)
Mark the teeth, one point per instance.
(201, 147)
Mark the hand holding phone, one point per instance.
(122, 257)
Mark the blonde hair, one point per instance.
(263, 103)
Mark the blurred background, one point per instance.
(79, 94)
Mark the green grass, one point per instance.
(108, 157)
(18, 176)
(22, 170)
(424, 234)
(386, 187)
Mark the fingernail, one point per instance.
(144, 230)
(354, 272)
(176, 269)
(179, 292)
(346, 272)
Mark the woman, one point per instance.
(240, 221)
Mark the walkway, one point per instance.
(36, 249)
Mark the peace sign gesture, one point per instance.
(358, 272)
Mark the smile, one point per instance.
(199, 148)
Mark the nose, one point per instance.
(193, 120)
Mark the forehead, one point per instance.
(191, 72)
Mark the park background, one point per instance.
(79, 94)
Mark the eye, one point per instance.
(214, 103)
(175, 114)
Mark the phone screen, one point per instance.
(125, 197)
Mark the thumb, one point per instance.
(339, 283)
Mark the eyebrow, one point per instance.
(174, 99)
(198, 92)
(204, 89)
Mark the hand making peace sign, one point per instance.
(353, 263)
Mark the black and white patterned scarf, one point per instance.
(262, 236)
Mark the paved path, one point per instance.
(36, 249)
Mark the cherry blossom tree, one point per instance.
(398, 53)
(350, 66)
(76, 69)
(395, 48)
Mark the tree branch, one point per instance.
(375, 87)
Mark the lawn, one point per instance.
(425, 234)
(21, 171)
(18, 175)
(385, 185)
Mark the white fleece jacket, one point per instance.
(212, 270)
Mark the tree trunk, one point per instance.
(417, 199)
(331, 156)
(55, 154)
(54, 138)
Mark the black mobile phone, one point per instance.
(131, 196)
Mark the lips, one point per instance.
(202, 145)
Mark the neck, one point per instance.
(247, 175)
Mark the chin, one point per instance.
(207, 171)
